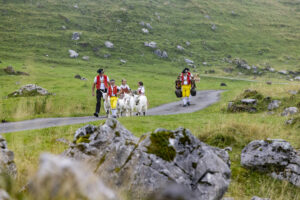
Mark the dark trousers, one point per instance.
(99, 96)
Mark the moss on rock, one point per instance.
(160, 145)
(83, 139)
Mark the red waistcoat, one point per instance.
(188, 79)
(98, 84)
(112, 91)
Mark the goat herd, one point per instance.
(127, 105)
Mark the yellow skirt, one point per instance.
(113, 102)
(186, 90)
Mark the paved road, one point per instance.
(202, 100)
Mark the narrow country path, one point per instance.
(203, 99)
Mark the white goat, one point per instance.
(129, 104)
(141, 104)
(106, 104)
(121, 106)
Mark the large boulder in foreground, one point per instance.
(30, 90)
(59, 177)
(7, 163)
(143, 166)
(275, 157)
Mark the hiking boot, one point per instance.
(96, 115)
(188, 103)
(184, 105)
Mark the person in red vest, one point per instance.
(113, 92)
(192, 78)
(101, 83)
(186, 87)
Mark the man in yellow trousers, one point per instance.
(186, 87)
(113, 92)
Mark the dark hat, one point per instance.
(185, 71)
(100, 71)
(112, 80)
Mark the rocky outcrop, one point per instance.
(275, 157)
(7, 163)
(143, 166)
(30, 90)
(73, 54)
(274, 104)
(152, 44)
(59, 177)
(289, 111)
(109, 45)
(161, 54)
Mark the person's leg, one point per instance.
(188, 95)
(184, 95)
(98, 104)
(113, 103)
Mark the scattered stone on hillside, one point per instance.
(241, 64)
(187, 43)
(188, 61)
(76, 6)
(223, 84)
(289, 111)
(109, 44)
(275, 157)
(274, 104)
(258, 198)
(289, 121)
(4, 195)
(123, 61)
(151, 44)
(76, 36)
(107, 55)
(283, 72)
(297, 78)
(30, 90)
(249, 101)
(60, 177)
(269, 82)
(73, 54)
(142, 23)
(77, 76)
(7, 163)
(204, 63)
(148, 25)
(233, 13)
(10, 70)
(158, 159)
(213, 27)
(228, 69)
(144, 30)
(180, 48)
(86, 58)
(119, 21)
(63, 27)
(207, 16)
(161, 54)
(293, 92)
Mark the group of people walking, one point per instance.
(104, 85)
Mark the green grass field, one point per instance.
(261, 32)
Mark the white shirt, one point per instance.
(141, 90)
(124, 87)
(185, 80)
(102, 86)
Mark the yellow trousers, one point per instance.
(186, 90)
(113, 102)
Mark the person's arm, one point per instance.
(93, 89)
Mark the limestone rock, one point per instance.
(297, 78)
(213, 27)
(274, 104)
(148, 25)
(10, 70)
(188, 61)
(187, 43)
(283, 72)
(7, 163)
(123, 61)
(158, 159)
(144, 30)
(59, 177)
(75, 36)
(275, 157)
(180, 48)
(109, 44)
(86, 58)
(30, 90)
(152, 44)
(289, 111)
(161, 54)
(73, 54)
(249, 101)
